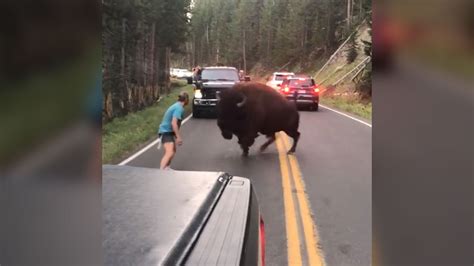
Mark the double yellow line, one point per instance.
(290, 168)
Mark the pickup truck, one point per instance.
(211, 82)
(156, 217)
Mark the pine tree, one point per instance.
(138, 37)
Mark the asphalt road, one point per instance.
(423, 166)
(334, 158)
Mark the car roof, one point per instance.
(299, 78)
(283, 73)
(220, 67)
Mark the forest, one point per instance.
(142, 39)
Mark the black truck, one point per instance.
(211, 81)
(155, 217)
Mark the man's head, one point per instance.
(183, 97)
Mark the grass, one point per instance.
(342, 97)
(178, 83)
(350, 105)
(124, 135)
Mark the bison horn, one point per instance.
(242, 102)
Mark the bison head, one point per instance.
(231, 105)
(231, 112)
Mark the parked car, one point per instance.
(302, 90)
(173, 72)
(158, 217)
(184, 74)
(277, 78)
(213, 81)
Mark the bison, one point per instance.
(250, 108)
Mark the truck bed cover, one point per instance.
(151, 218)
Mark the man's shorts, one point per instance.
(167, 137)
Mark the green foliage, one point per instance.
(125, 134)
(138, 36)
(270, 32)
(368, 43)
(364, 82)
(352, 106)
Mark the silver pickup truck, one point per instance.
(154, 217)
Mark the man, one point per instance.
(241, 75)
(197, 73)
(169, 129)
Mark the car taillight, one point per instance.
(315, 89)
(286, 89)
(262, 240)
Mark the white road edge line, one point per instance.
(341, 113)
(129, 159)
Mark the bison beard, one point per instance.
(250, 108)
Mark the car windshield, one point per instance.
(301, 82)
(220, 75)
(281, 77)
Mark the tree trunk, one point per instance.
(167, 70)
(152, 53)
(145, 54)
(136, 74)
(161, 69)
(122, 54)
(189, 56)
(217, 49)
(352, 10)
(193, 52)
(123, 95)
(331, 27)
(303, 39)
(269, 42)
(349, 8)
(208, 45)
(243, 52)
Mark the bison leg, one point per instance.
(245, 143)
(270, 140)
(296, 136)
(245, 150)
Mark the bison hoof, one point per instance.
(245, 154)
(291, 152)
